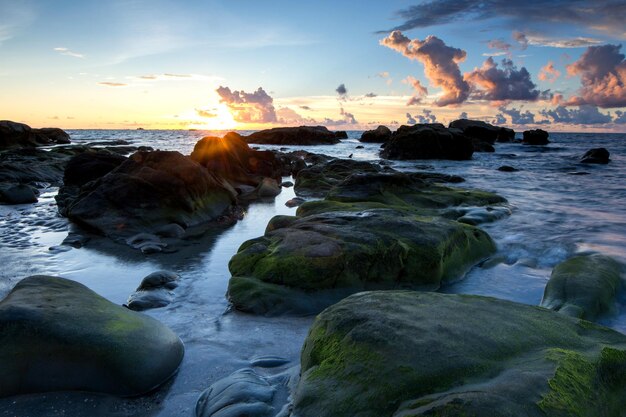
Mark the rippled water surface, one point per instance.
(560, 207)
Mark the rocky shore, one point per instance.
(367, 251)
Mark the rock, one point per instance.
(483, 132)
(31, 165)
(268, 361)
(90, 165)
(584, 286)
(57, 335)
(303, 135)
(286, 184)
(295, 202)
(379, 135)
(535, 137)
(318, 179)
(172, 230)
(159, 279)
(153, 292)
(359, 147)
(507, 168)
(427, 141)
(242, 394)
(341, 134)
(17, 194)
(596, 156)
(19, 135)
(405, 353)
(149, 191)
(231, 158)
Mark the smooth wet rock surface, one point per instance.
(402, 354)
(303, 135)
(57, 335)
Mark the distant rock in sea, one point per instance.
(379, 135)
(535, 137)
(303, 135)
(19, 135)
(596, 156)
(428, 141)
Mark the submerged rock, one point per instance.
(303, 135)
(58, 335)
(596, 156)
(19, 135)
(535, 137)
(584, 286)
(379, 135)
(405, 353)
(428, 141)
(507, 168)
(241, 394)
(148, 191)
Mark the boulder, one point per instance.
(482, 131)
(19, 135)
(303, 135)
(318, 179)
(427, 141)
(584, 286)
(507, 168)
(341, 134)
(596, 156)
(148, 191)
(535, 137)
(405, 353)
(58, 335)
(17, 194)
(90, 165)
(379, 135)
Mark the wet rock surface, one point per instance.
(428, 141)
(405, 353)
(303, 135)
(19, 135)
(57, 335)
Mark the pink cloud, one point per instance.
(549, 73)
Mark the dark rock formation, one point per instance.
(596, 156)
(535, 137)
(341, 134)
(303, 135)
(428, 141)
(19, 135)
(379, 135)
(58, 335)
(154, 291)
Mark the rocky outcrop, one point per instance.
(596, 156)
(482, 131)
(17, 194)
(405, 353)
(536, 137)
(19, 135)
(318, 179)
(379, 135)
(303, 135)
(584, 286)
(341, 134)
(150, 191)
(154, 291)
(428, 141)
(372, 231)
(57, 335)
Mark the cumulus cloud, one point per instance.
(463, 115)
(605, 15)
(584, 115)
(410, 120)
(112, 84)
(549, 73)
(342, 91)
(256, 107)
(427, 116)
(348, 117)
(288, 116)
(602, 71)
(67, 52)
(499, 120)
(518, 117)
(521, 39)
(508, 83)
(420, 90)
(500, 45)
(441, 64)
(620, 117)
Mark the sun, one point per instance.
(217, 118)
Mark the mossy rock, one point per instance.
(58, 335)
(318, 179)
(584, 286)
(348, 252)
(406, 353)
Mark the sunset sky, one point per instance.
(348, 65)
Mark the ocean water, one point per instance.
(559, 208)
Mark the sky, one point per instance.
(349, 65)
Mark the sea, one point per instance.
(559, 208)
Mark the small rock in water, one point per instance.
(507, 168)
(596, 156)
(243, 393)
(286, 184)
(295, 202)
(75, 240)
(360, 147)
(18, 194)
(153, 292)
(268, 361)
(146, 242)
(159, 279)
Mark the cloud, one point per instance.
(499, 44)
(206, 113)
(603, 15)
(371, 95)
(256, 107)
(383, 74)
(602, 71)
(441, 64)
(549, 73)
(410, 120)
(580, 42)
(499, 120)
(14, 16)
(288, 116)
(495, 84)
(178, 75)
(112, 84)
(427, 116)
(346, 119)
(519, 118)
(584, 115)
(305, 107)
(342, 91)
(67, 52)
(620, 117)
(463, 115)
(500, 53)
(521, 39)
(420, 90)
